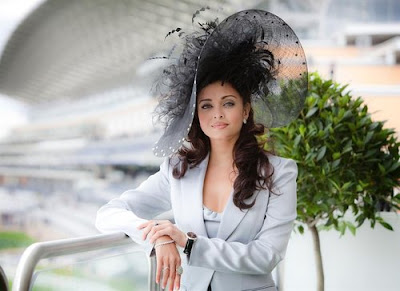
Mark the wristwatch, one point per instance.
(191, 238)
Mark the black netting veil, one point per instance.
(255, 51)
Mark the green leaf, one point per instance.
(297, 140)
(342, 228)
(370, 153)
(347, 147)
(382, 169)
(347, 114)
(335, 164)
(394, 167)
(321, 153)
(311, 112)
(346, 185)
(352, 228)
(368, 137)
(367, 199)
(302, 129)
(386, 225)
(334, 184)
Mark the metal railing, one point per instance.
(44, 250)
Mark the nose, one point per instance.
(218, 114)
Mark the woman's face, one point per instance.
(221, 111)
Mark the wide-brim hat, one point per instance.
(279, 96)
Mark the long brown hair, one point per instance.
(249, 157)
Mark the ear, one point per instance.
(246, 110)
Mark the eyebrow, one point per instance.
(223, 97)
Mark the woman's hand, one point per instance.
(156, 229)
(168, 259)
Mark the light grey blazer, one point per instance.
(249, 244)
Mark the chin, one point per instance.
(222, 137)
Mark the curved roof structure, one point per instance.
(69, 49)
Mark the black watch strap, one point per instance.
(189, 243)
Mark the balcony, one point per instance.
(100, 262)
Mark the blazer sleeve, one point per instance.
(261, 255)
(137, 206)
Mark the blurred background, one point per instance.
(76, 96)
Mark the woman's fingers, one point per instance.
(168, 260)
(143, 225)
(159, 269)
(172, 274)
(154, 235)
(149, 232)
(177, 282)
(165, 275)
(150, 227)
(159, 231)
(147, 226)
(146, 231)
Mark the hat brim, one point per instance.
(276, 103)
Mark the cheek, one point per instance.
(202, 119)
(201, 125)
(238, 116)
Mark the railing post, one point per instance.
(153, 286)
(26, 267)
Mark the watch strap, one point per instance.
(189, 243)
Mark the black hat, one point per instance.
(253, 48)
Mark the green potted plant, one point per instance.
(347, 163)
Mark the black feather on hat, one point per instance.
(253, 50)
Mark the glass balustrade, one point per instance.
(101, 262)
(123, 268)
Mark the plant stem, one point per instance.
(318, 257)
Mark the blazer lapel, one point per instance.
(192, 192)
(232, 216)
(192, 206)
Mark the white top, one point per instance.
(212, 220)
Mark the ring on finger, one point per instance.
(179, 270)
(165, 268)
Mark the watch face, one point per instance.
(191, 235)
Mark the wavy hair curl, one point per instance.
(254, 169)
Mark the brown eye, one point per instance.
(206, 106)
(229, 104)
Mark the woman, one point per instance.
(233, 203)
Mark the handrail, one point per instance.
(3, 280)
(42, 250)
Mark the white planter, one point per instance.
(368, 261)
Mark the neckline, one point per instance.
(204, 164)
(205, 207)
